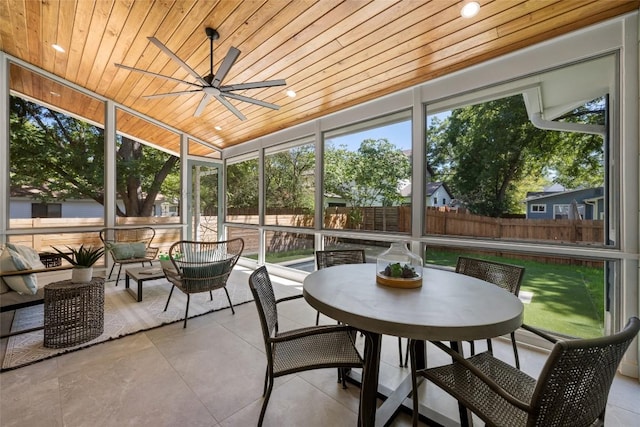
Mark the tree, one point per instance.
(289, 178)
(580, 160)
(486, 152)
(367, 176)
(242, 185)
(140, 167)
(60, 157)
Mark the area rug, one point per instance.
(123, 316)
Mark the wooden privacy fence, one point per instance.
(458, 223)
(397, 219)
(44, 242)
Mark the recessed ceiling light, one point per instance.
(470, 9)
(58, 48)
(54, 93)
(217, 128)
(291, 93)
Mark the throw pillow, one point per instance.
(24, 284)
(139, 249)
(121, 250)
(4, 288)
(29, 254)
(200, 275)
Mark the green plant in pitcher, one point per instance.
(400, 271)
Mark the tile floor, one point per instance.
(212, 373)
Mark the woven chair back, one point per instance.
(128, 235)
(265, 299)
(330, 258)
(574, 384)
(507, 276)
(128, 245)
(204, 266)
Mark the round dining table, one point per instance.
(447, 307)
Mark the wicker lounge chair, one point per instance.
(201, 267)
(129, 246)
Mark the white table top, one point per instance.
(448, 306)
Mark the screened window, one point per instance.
(242, 191)
(56, 155)
(367, 168)
(532, 138)
(289, 174)
(147, 172)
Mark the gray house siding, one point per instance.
(557, 205)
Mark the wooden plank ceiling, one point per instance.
(333, 54)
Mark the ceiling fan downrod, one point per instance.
(211, 35)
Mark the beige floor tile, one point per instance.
(141, 389)
(212, 373)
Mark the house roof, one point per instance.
(541, 195)
(432, 187)
(333, 54)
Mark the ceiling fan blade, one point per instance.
(162, 95)
(251, 100)
(126, 67)
(226, 65)
(231, 108)
(203, 103)
(252, 85)
(178, 60)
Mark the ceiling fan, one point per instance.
(211, 84)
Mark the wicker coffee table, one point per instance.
(73, 312)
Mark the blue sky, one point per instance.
(399, 134)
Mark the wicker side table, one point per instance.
(73, 312)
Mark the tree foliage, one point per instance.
(488, 152)
(242, 184)
(58, 157)
(289, 178)
(366, 176)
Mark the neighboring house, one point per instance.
(587, 203)
(438, 194)
(25, 203)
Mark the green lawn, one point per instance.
(566, 299)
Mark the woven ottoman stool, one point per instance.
(73, 312)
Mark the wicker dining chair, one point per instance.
(330, 258)
(129, 246)
(571, 390)
(507, 276)
(297, 350)
(201, 267)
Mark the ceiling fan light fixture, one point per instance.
(470, 9)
